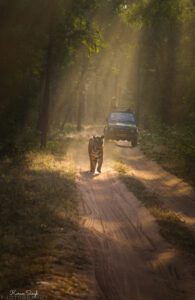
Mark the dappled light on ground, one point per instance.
(122, 236)
(176, 193)
(121, 252)
(130, 258)
(66, 67)
(39, 199)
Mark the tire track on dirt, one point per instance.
(175, 193)
(131, 261)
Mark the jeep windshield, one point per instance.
(121, 117)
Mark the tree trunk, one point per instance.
(44, 115)
(81, 108)
(169, 76)
(44, 112)
(82, 96)
(139, 85)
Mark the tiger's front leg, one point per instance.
(100, 161)
(92, 164)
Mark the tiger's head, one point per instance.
(98, 142)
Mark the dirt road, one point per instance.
(175, 193)
(131, 260)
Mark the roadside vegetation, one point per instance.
(40, 240)
(70, 62)
(173, 148)
(172, 227)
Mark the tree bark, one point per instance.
(82, 96)
(44, 112)
(169, 80)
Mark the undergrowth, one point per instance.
(173, 148)
(39, 222)
(172, 227)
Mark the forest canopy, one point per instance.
(66, 61)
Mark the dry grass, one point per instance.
(39, 226)
(172, 227)
(173, 148)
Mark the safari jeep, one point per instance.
(121, 125)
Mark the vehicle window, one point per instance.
(122, 117)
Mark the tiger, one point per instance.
(95, 150)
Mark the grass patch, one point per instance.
(172, 228)
(173, 148)
(39, 221)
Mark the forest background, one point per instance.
(65, 64)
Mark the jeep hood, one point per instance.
(119, 124)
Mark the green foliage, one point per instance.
(164, 59)
(39, 221)
(24, 38)
(148, 64)
(173, 147)
(151, 12)
(17, 135)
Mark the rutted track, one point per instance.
(131, 260)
